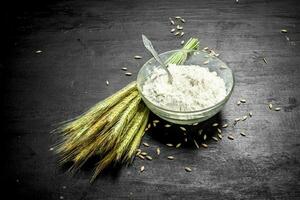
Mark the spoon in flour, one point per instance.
(149, 46)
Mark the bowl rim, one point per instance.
(186, 112)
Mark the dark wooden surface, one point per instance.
(84, 43)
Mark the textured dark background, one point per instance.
(84, 43)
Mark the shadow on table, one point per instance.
(88, 168)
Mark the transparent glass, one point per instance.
(193, 58)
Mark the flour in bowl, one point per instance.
(193, 88)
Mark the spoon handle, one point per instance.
(149, 46)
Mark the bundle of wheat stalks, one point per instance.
(112, 129)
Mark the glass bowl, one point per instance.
(193, 58)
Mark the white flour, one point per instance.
(193, 88)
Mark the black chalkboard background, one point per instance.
(84, 43)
